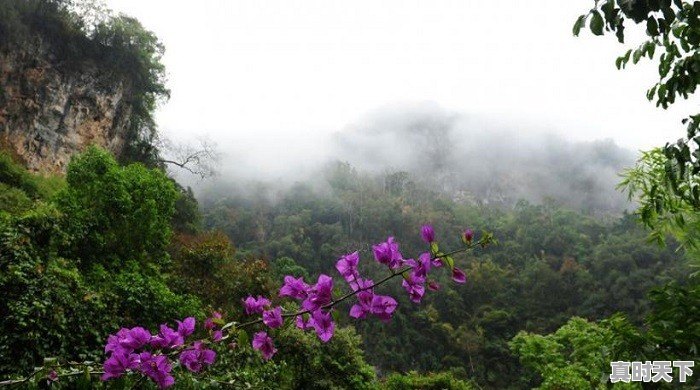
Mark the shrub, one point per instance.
(116, 213)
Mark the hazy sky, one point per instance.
(274, 77)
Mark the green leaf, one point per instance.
(609, 10)
(597, 23)
(620, 31)
(434, 249)
(218, 321)
(243, 337)
(651, 47)
(668, 13)
(580, 22)
(636, 56)
(652, 27)
(49, 360)
(651, 92)
(678, 30)
(661, 91)
(664, 65)
(450, 261)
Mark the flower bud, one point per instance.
(467, 236)
(427, 233)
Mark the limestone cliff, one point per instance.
(49, 111)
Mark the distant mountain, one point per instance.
(481, 162)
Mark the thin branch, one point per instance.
(11, 382)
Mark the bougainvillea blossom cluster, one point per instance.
(151, 355)
(155, 355)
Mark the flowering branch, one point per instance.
(328, 306)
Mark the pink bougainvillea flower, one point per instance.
(388, 253)
(52, 376)
(273, 318)
(383, 306)
(304, 325)
(423, 265)
(135, 338)
(323, 324)
(209, 322)
(363, 305)
(167, 338)
(414, 286)
(347, 266)
(427, 233)
(255, 305)
(468, 236)
(320, 294)
(186, 326)
(195, 358)
(263, 343)
(127, 340)
(433, 285)
(157, 367)
(113, 344)
(118, 364)
(294, 288)
(458, 275)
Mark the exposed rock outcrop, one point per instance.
(49, 111)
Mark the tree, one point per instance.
(673, 28)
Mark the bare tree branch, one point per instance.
(200, 160)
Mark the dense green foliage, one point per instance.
(575, 355)
(550, 264)
(98, 253)
(413, 380)
(64, 259)
(117, 45)
(661, 209)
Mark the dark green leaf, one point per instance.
(636, 56)
(597, 23)
(580, 22)
(620, 31)
(652, 27)
(651, 92)
(651, 47)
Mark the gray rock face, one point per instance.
(49, 111)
